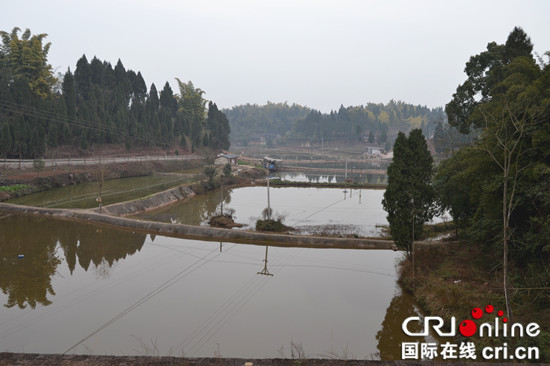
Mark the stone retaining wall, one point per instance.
(148, 203)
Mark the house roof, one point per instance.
(272, 160)
(228, 156)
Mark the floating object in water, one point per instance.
(20, 256)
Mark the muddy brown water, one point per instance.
(87, 289)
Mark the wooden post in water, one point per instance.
(221, 199)
(99, 199)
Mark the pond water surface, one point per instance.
(82, 288)
(324, 177)
(309, 210)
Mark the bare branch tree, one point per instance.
(503, 139)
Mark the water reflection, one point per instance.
(43, 244)
(27, 280)
(323, 177)
(310, 211)
(265, 271)
(186, 295)
(390, 336)
(195, 211)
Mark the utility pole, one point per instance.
(268, 203)
(99, 199)
(346, 173)
(412, 203)
(221, 200)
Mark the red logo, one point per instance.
(468, 328)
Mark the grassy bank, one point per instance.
(30, 181)
(451, 279)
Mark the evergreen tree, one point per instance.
(5, 139)
(69, 95)
(83, 78)
(409, 196)
(439, 138)
(153, 99)
(95, 104)
(167, 100)
(84, 141)
(218, 126)
(96, 71)
(508, 169)
(21, 136)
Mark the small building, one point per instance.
(271, 163)
(373, 151)
(226, 158)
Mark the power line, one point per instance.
(170, 282)
(216, 321)
(142, 269)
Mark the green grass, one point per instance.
(13, 188)
(84, 195)
(271, 225)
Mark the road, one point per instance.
(28, 163)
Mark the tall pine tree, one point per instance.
(409, 196)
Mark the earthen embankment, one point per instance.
(199, 232)
(148, 203)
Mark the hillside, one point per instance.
(281, 124)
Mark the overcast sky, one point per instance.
(316, 53)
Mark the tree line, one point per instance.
(279, 123)
(376, 123)
(50, 243)
(95, 104)
(252, 122)
(496, 186)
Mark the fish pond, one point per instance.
(331, 211)
(81, 288)
(321, 176)
(87, 289)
